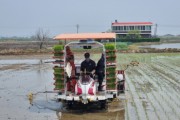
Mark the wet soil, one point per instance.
(94, 116)
(24, 74)
(115, 111)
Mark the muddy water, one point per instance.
(19, 77)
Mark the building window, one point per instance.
(114, 28)
(143, 27)
(131, 27)
(139, 27)
(125, 28)
(121, 27)
(136, 27)
(148, 28)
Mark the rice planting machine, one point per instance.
(75, 88)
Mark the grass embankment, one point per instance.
(25, 51)
(28, 48)
(25, 48)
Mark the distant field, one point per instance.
(153, 87)
(24, 44)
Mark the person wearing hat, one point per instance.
(88, 66)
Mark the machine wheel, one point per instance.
(103, 105)
(120, 87)
(69, 104)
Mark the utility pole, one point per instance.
(155, 30)
(77, 27)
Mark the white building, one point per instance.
(122, 28)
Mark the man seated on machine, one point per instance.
(88, 66)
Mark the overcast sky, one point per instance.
(25, 17)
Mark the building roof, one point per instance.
(131, 23)
(79, 36)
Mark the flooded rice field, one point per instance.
(153, 87)
(17, 79)
(22, 75)
(152, 90)
(163, 46)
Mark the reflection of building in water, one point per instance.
(123, 28)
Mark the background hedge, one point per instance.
(138, 40)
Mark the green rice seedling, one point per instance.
(111, 70)
(111, 59)
(110, 46)
(58, 69)
(58, 76)
(58, 48)
(59, 86)
(111, 86)
(111, 80)
(110, 53)
(59, 81)
(58, 54)
(110, 75)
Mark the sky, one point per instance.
(23, 18)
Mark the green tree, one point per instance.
(133, 34)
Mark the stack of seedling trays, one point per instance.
(58, 68)
(58, 51)
(110, 66)
(58, 77)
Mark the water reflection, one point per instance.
(24, 61)
(20, 77)
(163, 46)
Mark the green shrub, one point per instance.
(121, 46)
(139, 40)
